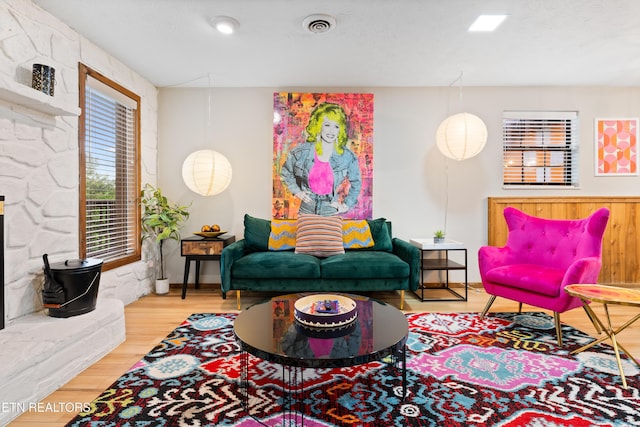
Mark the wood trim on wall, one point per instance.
(620, 245)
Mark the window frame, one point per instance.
(84, 73)
(541, 124)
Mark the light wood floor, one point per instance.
(151, 318)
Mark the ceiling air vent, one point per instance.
(319, 23)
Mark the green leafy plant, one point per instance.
(161, 220)
(438, 235)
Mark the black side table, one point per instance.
(201, 249)
(441, 264)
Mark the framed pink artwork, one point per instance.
(322, 155)
(616, 143)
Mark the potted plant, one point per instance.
(438, 236)
(161, 220)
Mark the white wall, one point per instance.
(410, 174)
(39, 155)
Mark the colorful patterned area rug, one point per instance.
(505, 370)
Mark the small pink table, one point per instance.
(607, 295)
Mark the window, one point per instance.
(109, 138)
(540, 149)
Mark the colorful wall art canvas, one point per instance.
(616, 146)
(322, 154)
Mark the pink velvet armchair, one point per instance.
(540, 258)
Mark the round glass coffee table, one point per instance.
(270, 332)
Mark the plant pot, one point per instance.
(162, 286)
(438, 240)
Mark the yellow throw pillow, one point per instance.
(318, 235)
(356, 234)
(283, 234)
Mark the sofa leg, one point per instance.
(519, 307)
(401, 299)
(556, 318)
(486, 307)
(238, 299)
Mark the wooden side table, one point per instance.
(201, 249)
(607, 295)
(441, 264)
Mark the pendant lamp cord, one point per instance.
(460, 90)
(209, 99)
(208, 76)
(446, 160)
(446, 193)
(195, 79)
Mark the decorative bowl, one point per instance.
(209, 234)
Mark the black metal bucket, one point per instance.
(71, 287)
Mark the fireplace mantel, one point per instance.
(24, 96)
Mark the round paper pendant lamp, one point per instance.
(206, 172)
(461, 136)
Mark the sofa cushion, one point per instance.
(356, 234)
(276, 265)
(256, 233)
(363, 265)
(532, 278)
(381, 235)
(319, 235)
(283, 234)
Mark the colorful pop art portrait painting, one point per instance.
(616, 146)
(322, 155)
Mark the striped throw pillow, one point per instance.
(319, 235)
(356, 234)
(283, 234)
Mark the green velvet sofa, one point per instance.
(248, 264)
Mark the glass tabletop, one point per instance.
(269, 330)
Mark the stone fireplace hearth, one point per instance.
(42, 353)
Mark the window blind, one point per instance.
(110, 172)
(540, 148)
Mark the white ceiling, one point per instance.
(375, 42)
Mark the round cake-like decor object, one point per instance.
(325, 310)
(326, 332)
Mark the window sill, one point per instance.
(540, 187)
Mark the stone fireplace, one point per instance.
(2, 261)
(39, 164)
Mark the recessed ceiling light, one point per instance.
(225, 24)
(487, 23)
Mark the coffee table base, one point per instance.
(610, 334)
(269, 332)
(293, 383)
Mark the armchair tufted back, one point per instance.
(554, 242)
